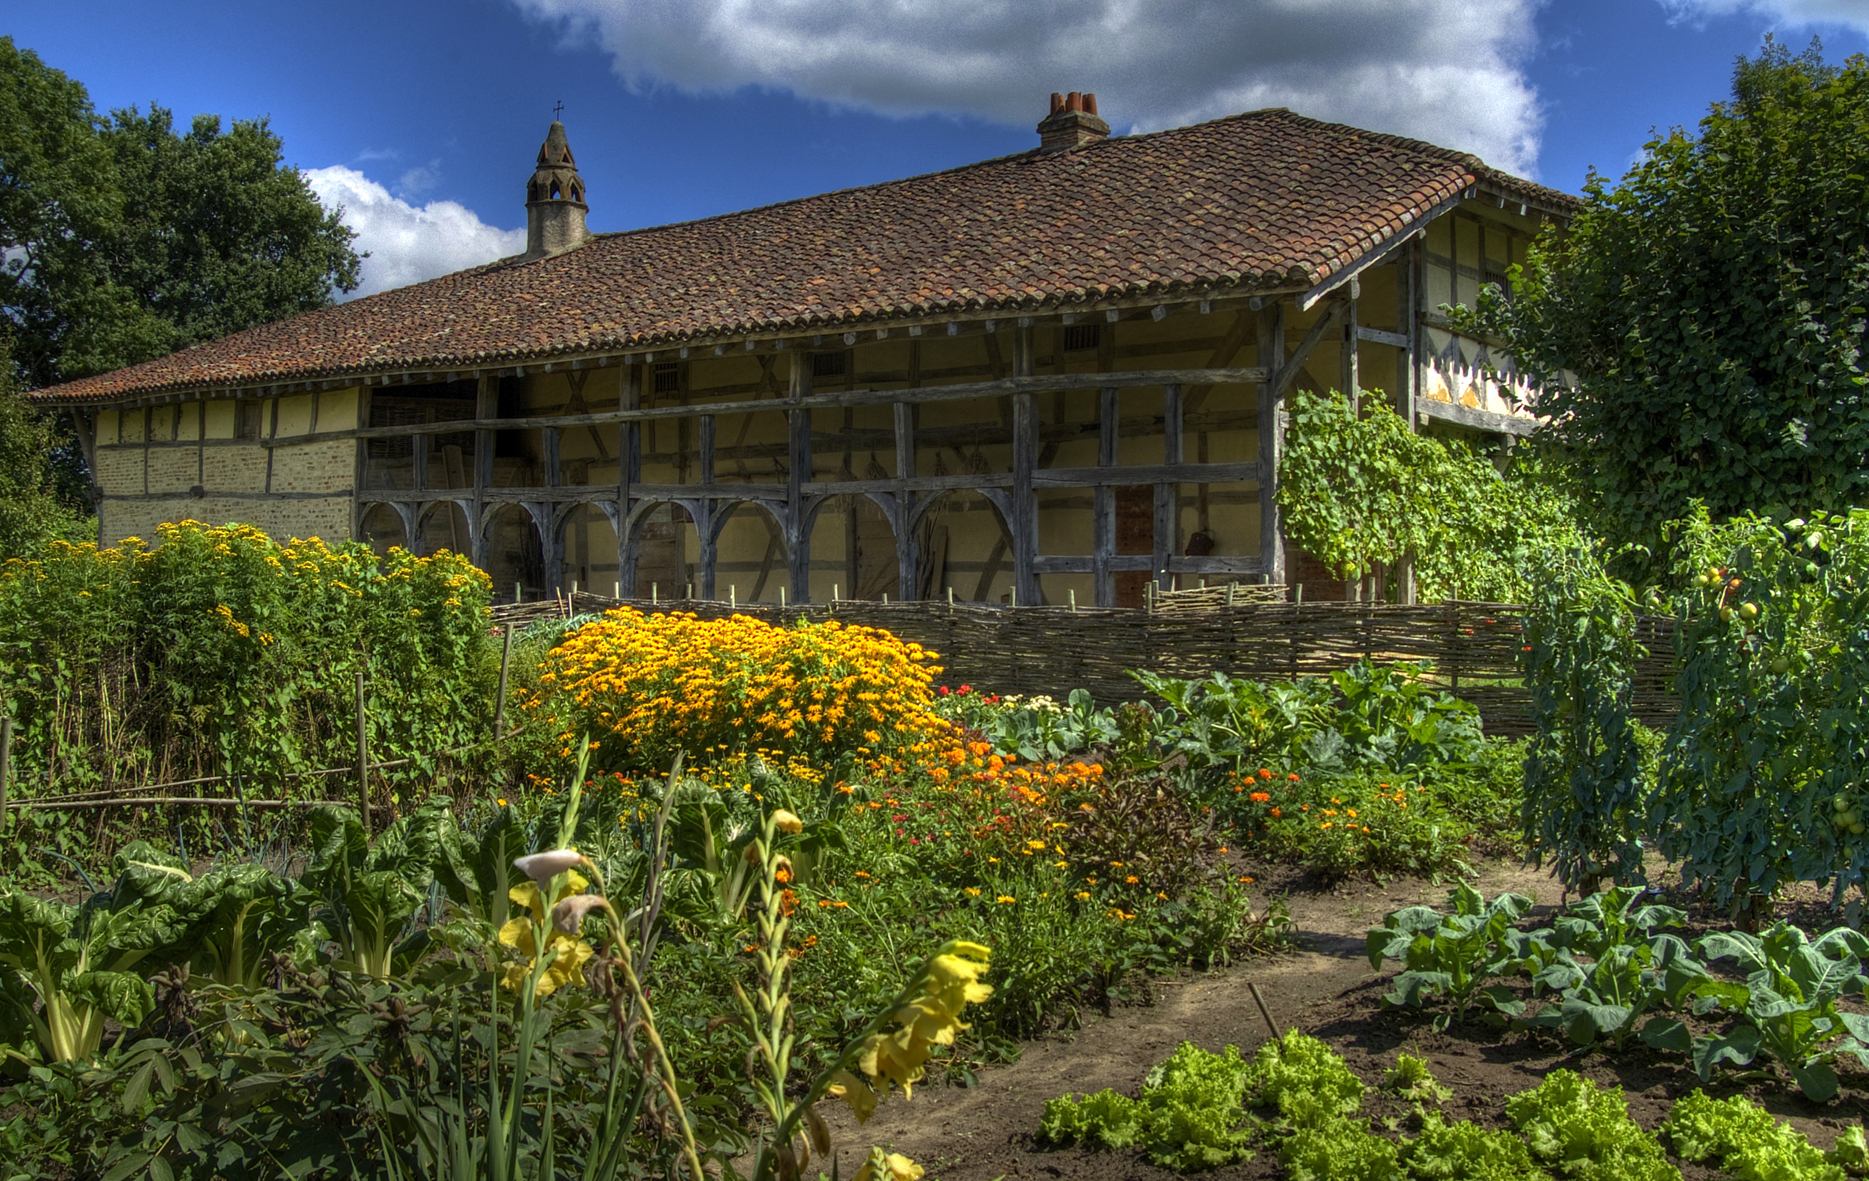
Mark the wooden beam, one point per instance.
(1271, 436)
(1350, 378)
(1281, 381)
(1479, 420)
(1036, 384)
(1103, 500)
(798, 471)
(908, 551)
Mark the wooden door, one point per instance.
(1135, 534)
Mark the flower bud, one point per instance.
(787, 822)
(543, 867)
(568, 916)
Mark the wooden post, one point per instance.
(363, 757)
(499, 701)
(798, 473)
(908, 560)
(1271, 442)
(1167, 530)
(1350, 379)
(6, 762)
(1103, 499)
(1024, 523)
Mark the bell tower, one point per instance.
(555, 205)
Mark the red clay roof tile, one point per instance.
(1263, 200)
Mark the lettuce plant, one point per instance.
(1746, 1141)
(1188, 1116)
(1584, 1131)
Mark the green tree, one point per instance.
(215, 234)
(121, 241)
(31, 513)
(1698, 330)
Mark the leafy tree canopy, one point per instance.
(123, 240)
(1698, 331)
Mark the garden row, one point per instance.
(1610, 968)
(1200, 1110)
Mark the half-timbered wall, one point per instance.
(1036, 459)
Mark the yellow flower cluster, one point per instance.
(895, 1057)
(568, 965)
(656, 683)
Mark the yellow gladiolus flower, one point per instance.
(787, 822)
(889, 1166)
(567, 965)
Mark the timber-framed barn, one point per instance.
(1047, 377)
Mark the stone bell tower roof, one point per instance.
(555, 205)
(557, 175)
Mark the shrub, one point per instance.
(222, 651)
(647, 685)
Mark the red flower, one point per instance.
(944, 690)
(966, 688)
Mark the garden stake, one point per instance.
(1265, 1012)
(6, 761)
(499, 701)
(363, 758)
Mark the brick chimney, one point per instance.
(555, 205)
(1072, 123)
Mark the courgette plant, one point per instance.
(1788, 1003)
(1452, 954)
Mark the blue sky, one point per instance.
(423, 116)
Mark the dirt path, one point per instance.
(1326, 988)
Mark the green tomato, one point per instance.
(1857, 829)
(1842, 803)
(1748, 610)
(1781, 664)
(1726, 614)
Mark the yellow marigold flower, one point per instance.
(1006, 898)
(970, 891)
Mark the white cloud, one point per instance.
(419, 180)
(1850, 13)
(1446, 71)
(408, 243)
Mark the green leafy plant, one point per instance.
(1359, 486)
(1466, 1152)
(1411, 1079)
(1788, 1003)
(1745, 1140)
(68, 969)
(1584, 1131)
(1451, 955)
(1188, 1116)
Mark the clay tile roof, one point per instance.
(1265, 200)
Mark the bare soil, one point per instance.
(1325, 988)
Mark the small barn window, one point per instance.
(829, 364)
(667, 377)
(247, 422)
(1081, 336)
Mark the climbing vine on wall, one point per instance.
(1361, 488)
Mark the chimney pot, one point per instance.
(1072, 123)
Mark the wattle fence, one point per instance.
(1474, 647)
